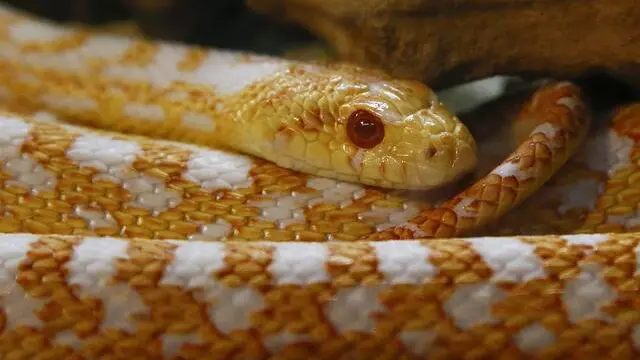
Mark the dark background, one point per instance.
(217, 23)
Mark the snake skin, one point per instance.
(120, 246)
(126, 85)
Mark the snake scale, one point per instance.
(294, 185)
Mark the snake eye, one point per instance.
(364, 129)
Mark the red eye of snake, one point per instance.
(364, 129)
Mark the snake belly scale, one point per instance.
(285, 179)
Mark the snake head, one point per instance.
(361, 125)
(397, 134)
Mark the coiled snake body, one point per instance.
(289, 182)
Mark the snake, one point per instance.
(166, 201)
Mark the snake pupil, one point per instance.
(365, 129)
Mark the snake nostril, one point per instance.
(430, 152)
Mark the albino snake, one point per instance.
(284, 177)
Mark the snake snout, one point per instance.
(444, 149)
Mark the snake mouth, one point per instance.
(418, 169)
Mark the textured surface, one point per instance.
(62, 179)
(117, 246)
(475, 298)
(295, 115)
(597, 190)
(406, 37)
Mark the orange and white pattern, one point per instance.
(597, 191)
(62, 179)
(551, 297)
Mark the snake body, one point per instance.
(289, 180)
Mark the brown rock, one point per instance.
(454, 41)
